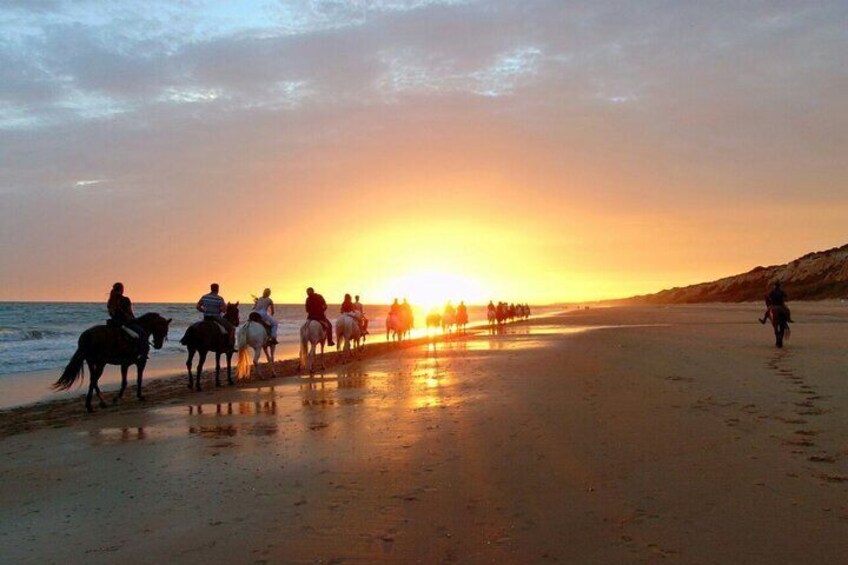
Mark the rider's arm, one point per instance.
(199, 306)
(272, 308)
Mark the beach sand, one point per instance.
(610, 435)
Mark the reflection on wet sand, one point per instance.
(268, 407)
(118, 435)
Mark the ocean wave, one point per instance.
(15, 334)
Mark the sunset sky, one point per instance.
(536, 151)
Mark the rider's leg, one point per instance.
(328, 328)
(143, 340)
(764, 319)
(231, 330)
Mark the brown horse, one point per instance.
(779, 317)
(108, 345)
(207, 336)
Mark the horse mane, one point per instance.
(148, 316)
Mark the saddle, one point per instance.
(257, 317)
(221, 326)
(117, 325)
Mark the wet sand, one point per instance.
(602, 436)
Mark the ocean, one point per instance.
(38, 336)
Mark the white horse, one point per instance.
(253, 334)
(311, 334)
(394, 328)
(347, 327)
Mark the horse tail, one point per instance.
(243, 365)
(187, 337)
(75, 370)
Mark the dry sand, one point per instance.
(686, 437)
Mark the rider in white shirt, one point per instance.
(264, 306)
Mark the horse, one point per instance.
(257, 335)
(348, 327)
(461, 320)
(205, 336)
(395, 328)
(448, 321)
(108, 345)
(492, 317)
(312, 333)
(779, 317)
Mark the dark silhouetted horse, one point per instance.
(207, 336)
(110, 345)
(779, 317)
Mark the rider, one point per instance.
(394, 309)
(347, 305)
(449, 310)
(406, 314)
(461, 311)
(121, 312)
(363, 321)
(491, 307)
(264, 306)
(316, 309)
(776, 298)
(213, 306)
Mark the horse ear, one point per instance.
(237, 303)
(170, 320)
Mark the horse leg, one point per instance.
(217, 369)
(142, 363)
(188, 366)
(323, 366)
(96, 387)
(230, 369)
(92, 378)
(201, 358)
(269, 355)
(124, 370)
(256, 353)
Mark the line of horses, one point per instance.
(503, 313)
(109, 345)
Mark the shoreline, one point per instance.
(167, 383)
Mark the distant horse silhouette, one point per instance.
(110, 345)
(347, 327)
(461, 320)
(492, 317)
(205, 336)
(779, 317)
(253, 334)
(448, 321)
(312, 334)
(396, 330)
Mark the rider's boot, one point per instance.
(329, 329)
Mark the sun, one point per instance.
(429, 289)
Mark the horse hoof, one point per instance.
(231, 382)
(89, 409)
(191, 386)
(141, 398)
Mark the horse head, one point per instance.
(232, 313)
(157, 327)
